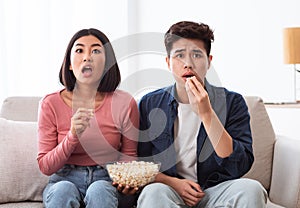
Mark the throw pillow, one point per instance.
(20, 177)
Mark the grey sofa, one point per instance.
(276, 166)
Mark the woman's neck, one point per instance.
(85, 96)
(84, 93)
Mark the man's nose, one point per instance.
(188, 64)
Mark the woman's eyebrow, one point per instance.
(79, 44)
(96, 44)
(93, 45)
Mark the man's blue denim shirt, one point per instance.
(158, 111)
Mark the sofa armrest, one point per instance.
(285, 183)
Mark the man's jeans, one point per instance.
(239, 193)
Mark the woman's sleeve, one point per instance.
(130, 133)
(51, 154)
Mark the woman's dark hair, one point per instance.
(111, 77)
(189, 30)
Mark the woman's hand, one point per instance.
(81, 120)
(126, 189)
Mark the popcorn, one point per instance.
(134, 173)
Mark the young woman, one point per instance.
(85, 125)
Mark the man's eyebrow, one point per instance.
(197, 51)
(179, 50)
(182, 50)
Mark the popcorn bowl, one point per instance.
(134, 173)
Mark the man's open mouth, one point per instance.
(188, 75)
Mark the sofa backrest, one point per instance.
(26, 109)
(263, 141)
(20, 108)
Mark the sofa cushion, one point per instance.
(22, 205)
(19, 173)
(263, 141)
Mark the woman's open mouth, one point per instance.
(87, 71)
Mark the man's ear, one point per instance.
(209, 60)
(168, 62)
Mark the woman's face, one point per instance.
(88, 60)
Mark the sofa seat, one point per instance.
(22, 205)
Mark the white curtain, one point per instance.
(34, 35)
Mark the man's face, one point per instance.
(188, 58)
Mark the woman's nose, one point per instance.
(87, 57)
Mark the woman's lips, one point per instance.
(86, 71)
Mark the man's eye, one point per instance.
(197, 55)
(179, 55)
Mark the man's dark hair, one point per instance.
(189, 30)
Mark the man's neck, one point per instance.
(181, 95)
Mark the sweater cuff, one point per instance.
(72, 138)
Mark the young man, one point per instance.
(200, 133)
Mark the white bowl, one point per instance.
(134, 173)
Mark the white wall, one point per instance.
(248, 55)
(285, 120)
(247, 51)
(34, 35)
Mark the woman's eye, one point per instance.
(79, 50)
(96, 51)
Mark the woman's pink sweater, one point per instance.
(112, 134)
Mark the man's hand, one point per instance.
(190, 192)
(198, 97)
(199, 100)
